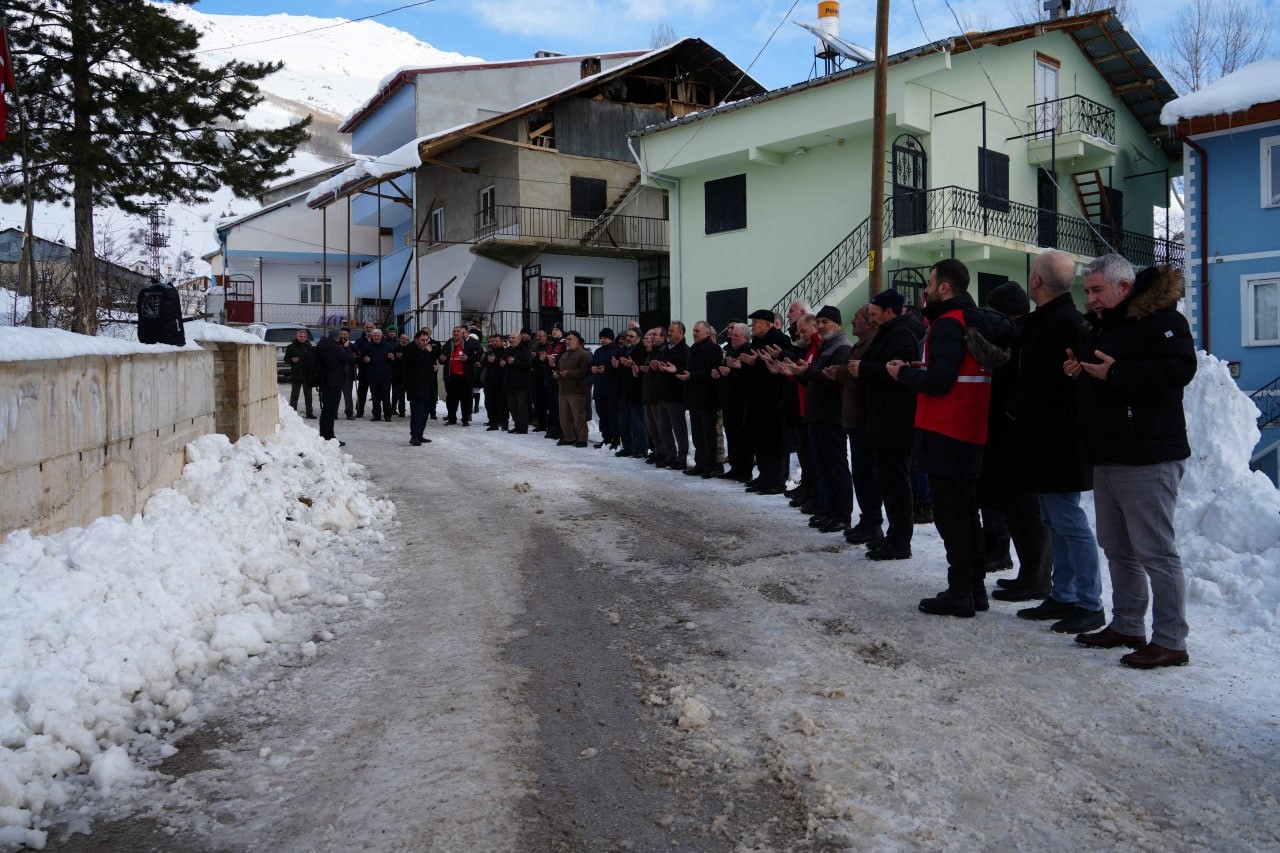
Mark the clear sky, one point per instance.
(742, 29)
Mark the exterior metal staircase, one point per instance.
(602, 221)
(1266, 457)
(1094, 203)
(834, 277)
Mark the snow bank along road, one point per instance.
(578, 652)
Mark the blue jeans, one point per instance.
(1077, 577)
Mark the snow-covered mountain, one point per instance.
(332, 66)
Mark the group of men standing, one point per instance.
(1010, 413)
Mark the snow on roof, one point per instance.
(403, 159)
(1252, 85)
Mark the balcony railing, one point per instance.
(508, 222)
(1073, 114)
(931, 211)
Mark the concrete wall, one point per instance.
(89, 436)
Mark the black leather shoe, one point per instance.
(888, 551)
(579, 444)
(753, 482)
(564, 442)
(693, 472)
(863, 532)
(1050, 608)
(1013, 592)
(1000, 564)
(948, 604)
(416, 442)
(1151, 656)
(1080, 622)
(818, 520)
(833, 525)
(771, 490)
(623, 453)
(980, 602)
(1108, 638)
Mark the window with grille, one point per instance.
(312, 289)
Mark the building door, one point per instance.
(911, 282)
(1046, 209)
(240, 299)
(910, 207)
(653, 292)
(1048, 109)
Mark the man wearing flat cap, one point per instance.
(823, 408)
(886, 415)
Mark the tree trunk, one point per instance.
(84, 312)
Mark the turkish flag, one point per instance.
(7, 83)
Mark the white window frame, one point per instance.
(1048, 72)
(435, 230)
(308, 288)
(1248, 285)
(1270, 149)
(488, 207)
(595, 294)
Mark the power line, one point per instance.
(318, 29)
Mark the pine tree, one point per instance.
(115, 110)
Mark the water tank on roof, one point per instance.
(829, 17)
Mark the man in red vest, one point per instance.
(953, 393)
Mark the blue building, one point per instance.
(1231, 134)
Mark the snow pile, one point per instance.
(26, 344)
(1228, 517)
(107, 631)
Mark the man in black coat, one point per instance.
(377, 355)
(1138, 356)
(418, 363)
(517, 363)
(1049, 455)
(886, 414)
(604, 388)
(344, 341)
(492, 377)
(731, 397)
(333, 363)
(300, 356)
(823, 412)
(458, 356)
(700, 398)
(767, 431)
(633, 435)
(673, 428)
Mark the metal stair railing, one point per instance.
(840, 263)
(1267, 399)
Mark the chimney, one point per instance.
(1057, 9)
(590, 66)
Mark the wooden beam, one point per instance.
(470, 170)
(488, 138)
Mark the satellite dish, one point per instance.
(847, 49)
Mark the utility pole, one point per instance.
(876, 281)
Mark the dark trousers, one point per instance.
(831, 470)
(518, 405)
(296, 385)
(955, 514)
(362, 394)
(457, 395)
(673, 430)
(893, 479)
(397, 396)
(607, 416)
(735, 439)
(417, 417)
(329, 397)
(866, 489)
(540, 403)
(804, 455)
(495, 403)
(1031, 540)
(773, 468)
(346, 397)
(380, 394)
(702, 425)
(652, 422)
(553, 408)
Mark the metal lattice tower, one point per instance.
(157, 236)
